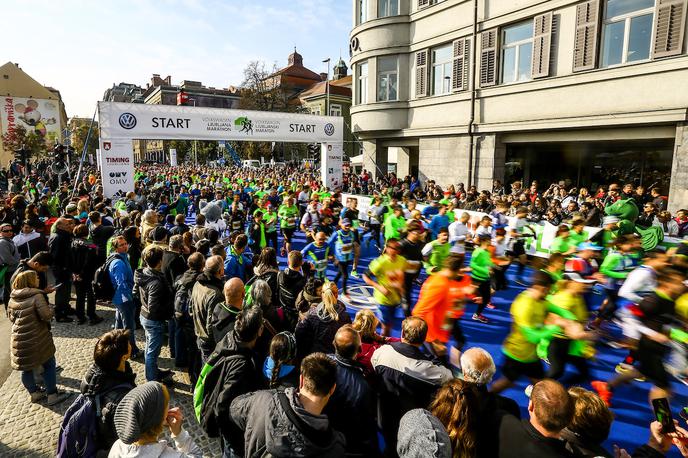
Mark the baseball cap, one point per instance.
(588, 246)
(346, 222)
(574, 276)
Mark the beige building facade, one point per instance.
(476, 90)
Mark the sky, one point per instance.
(84, 47)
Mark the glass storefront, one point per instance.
(591, 164)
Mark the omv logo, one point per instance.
(127, 121)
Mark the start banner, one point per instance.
(169, 122)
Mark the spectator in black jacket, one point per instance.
(234, 373)
(40, 263)
(59, 244)
(182, 315)
(29, 241)
(315, 333)
(156, 307)
(291, 282)
(351, 409)
(110, 376)
(408, 377)
(173, 266)
(180, 226)
(84, 262)
(551, 410)
(225, 313)
(100, 234)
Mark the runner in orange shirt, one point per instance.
(441, 304)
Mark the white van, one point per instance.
(251, 163)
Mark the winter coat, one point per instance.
(31, 341)
(156, 296)
(84, 259)
(269, 429)
(59, 246)
(315, 333)
(96, 381)
(291, 283)
(206, 294)
(352, 408)
(222, 320)
(235, 264)
(173, 266)
(187, 281)
(9, 255)
(234, 373)
(122, 279)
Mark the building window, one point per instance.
(315, 110)
(387, 8)
(335, 110)
(517, 52)
(387, 74)
(362, 11)
(627, 31)
(441, 70)
(362, 83)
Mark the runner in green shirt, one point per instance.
(388, 271)
(394, 224)
(289, 217)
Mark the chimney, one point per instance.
(323, 76)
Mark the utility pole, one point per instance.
(327, 88)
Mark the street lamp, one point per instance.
(327, 88)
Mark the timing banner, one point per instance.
(331, 160)
(117, 166)
(169, 122)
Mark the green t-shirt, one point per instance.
(394, 226)
(560, 245)
(527, 328)
(385, 270)
(289, 216)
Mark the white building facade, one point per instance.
(470, 91)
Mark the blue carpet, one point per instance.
(631, 408)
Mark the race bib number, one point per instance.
(236, 225)
(321, 266)
(346, 248)
(412, 267)
(291, 221)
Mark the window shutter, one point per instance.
(422, 73)
(488, 58)
(587, 31)
(670, 22)
(423, 3)
(460, 65)
(542, 44)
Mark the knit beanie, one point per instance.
(140, 410)
(422, 435)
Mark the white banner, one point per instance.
(163, 122)
(535, 246)
(173, 157)
(117, 166)
(98, 158)
(331, 158)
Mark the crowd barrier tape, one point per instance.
(538, 245)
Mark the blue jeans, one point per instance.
(125, 318)
(49, 377)
(155, 333)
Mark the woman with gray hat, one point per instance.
(139, 420)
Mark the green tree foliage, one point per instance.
(79, 138)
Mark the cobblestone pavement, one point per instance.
(30, 430)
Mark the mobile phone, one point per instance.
(663, 415)
(58, 286)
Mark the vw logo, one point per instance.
(127, 121)
(329, 129)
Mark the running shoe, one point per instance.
(354, 274)
(480, 318)
(490, 306)
(622, 368)
(603, 391)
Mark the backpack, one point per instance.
(102, 284)
(79, 430)
(182, 299)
